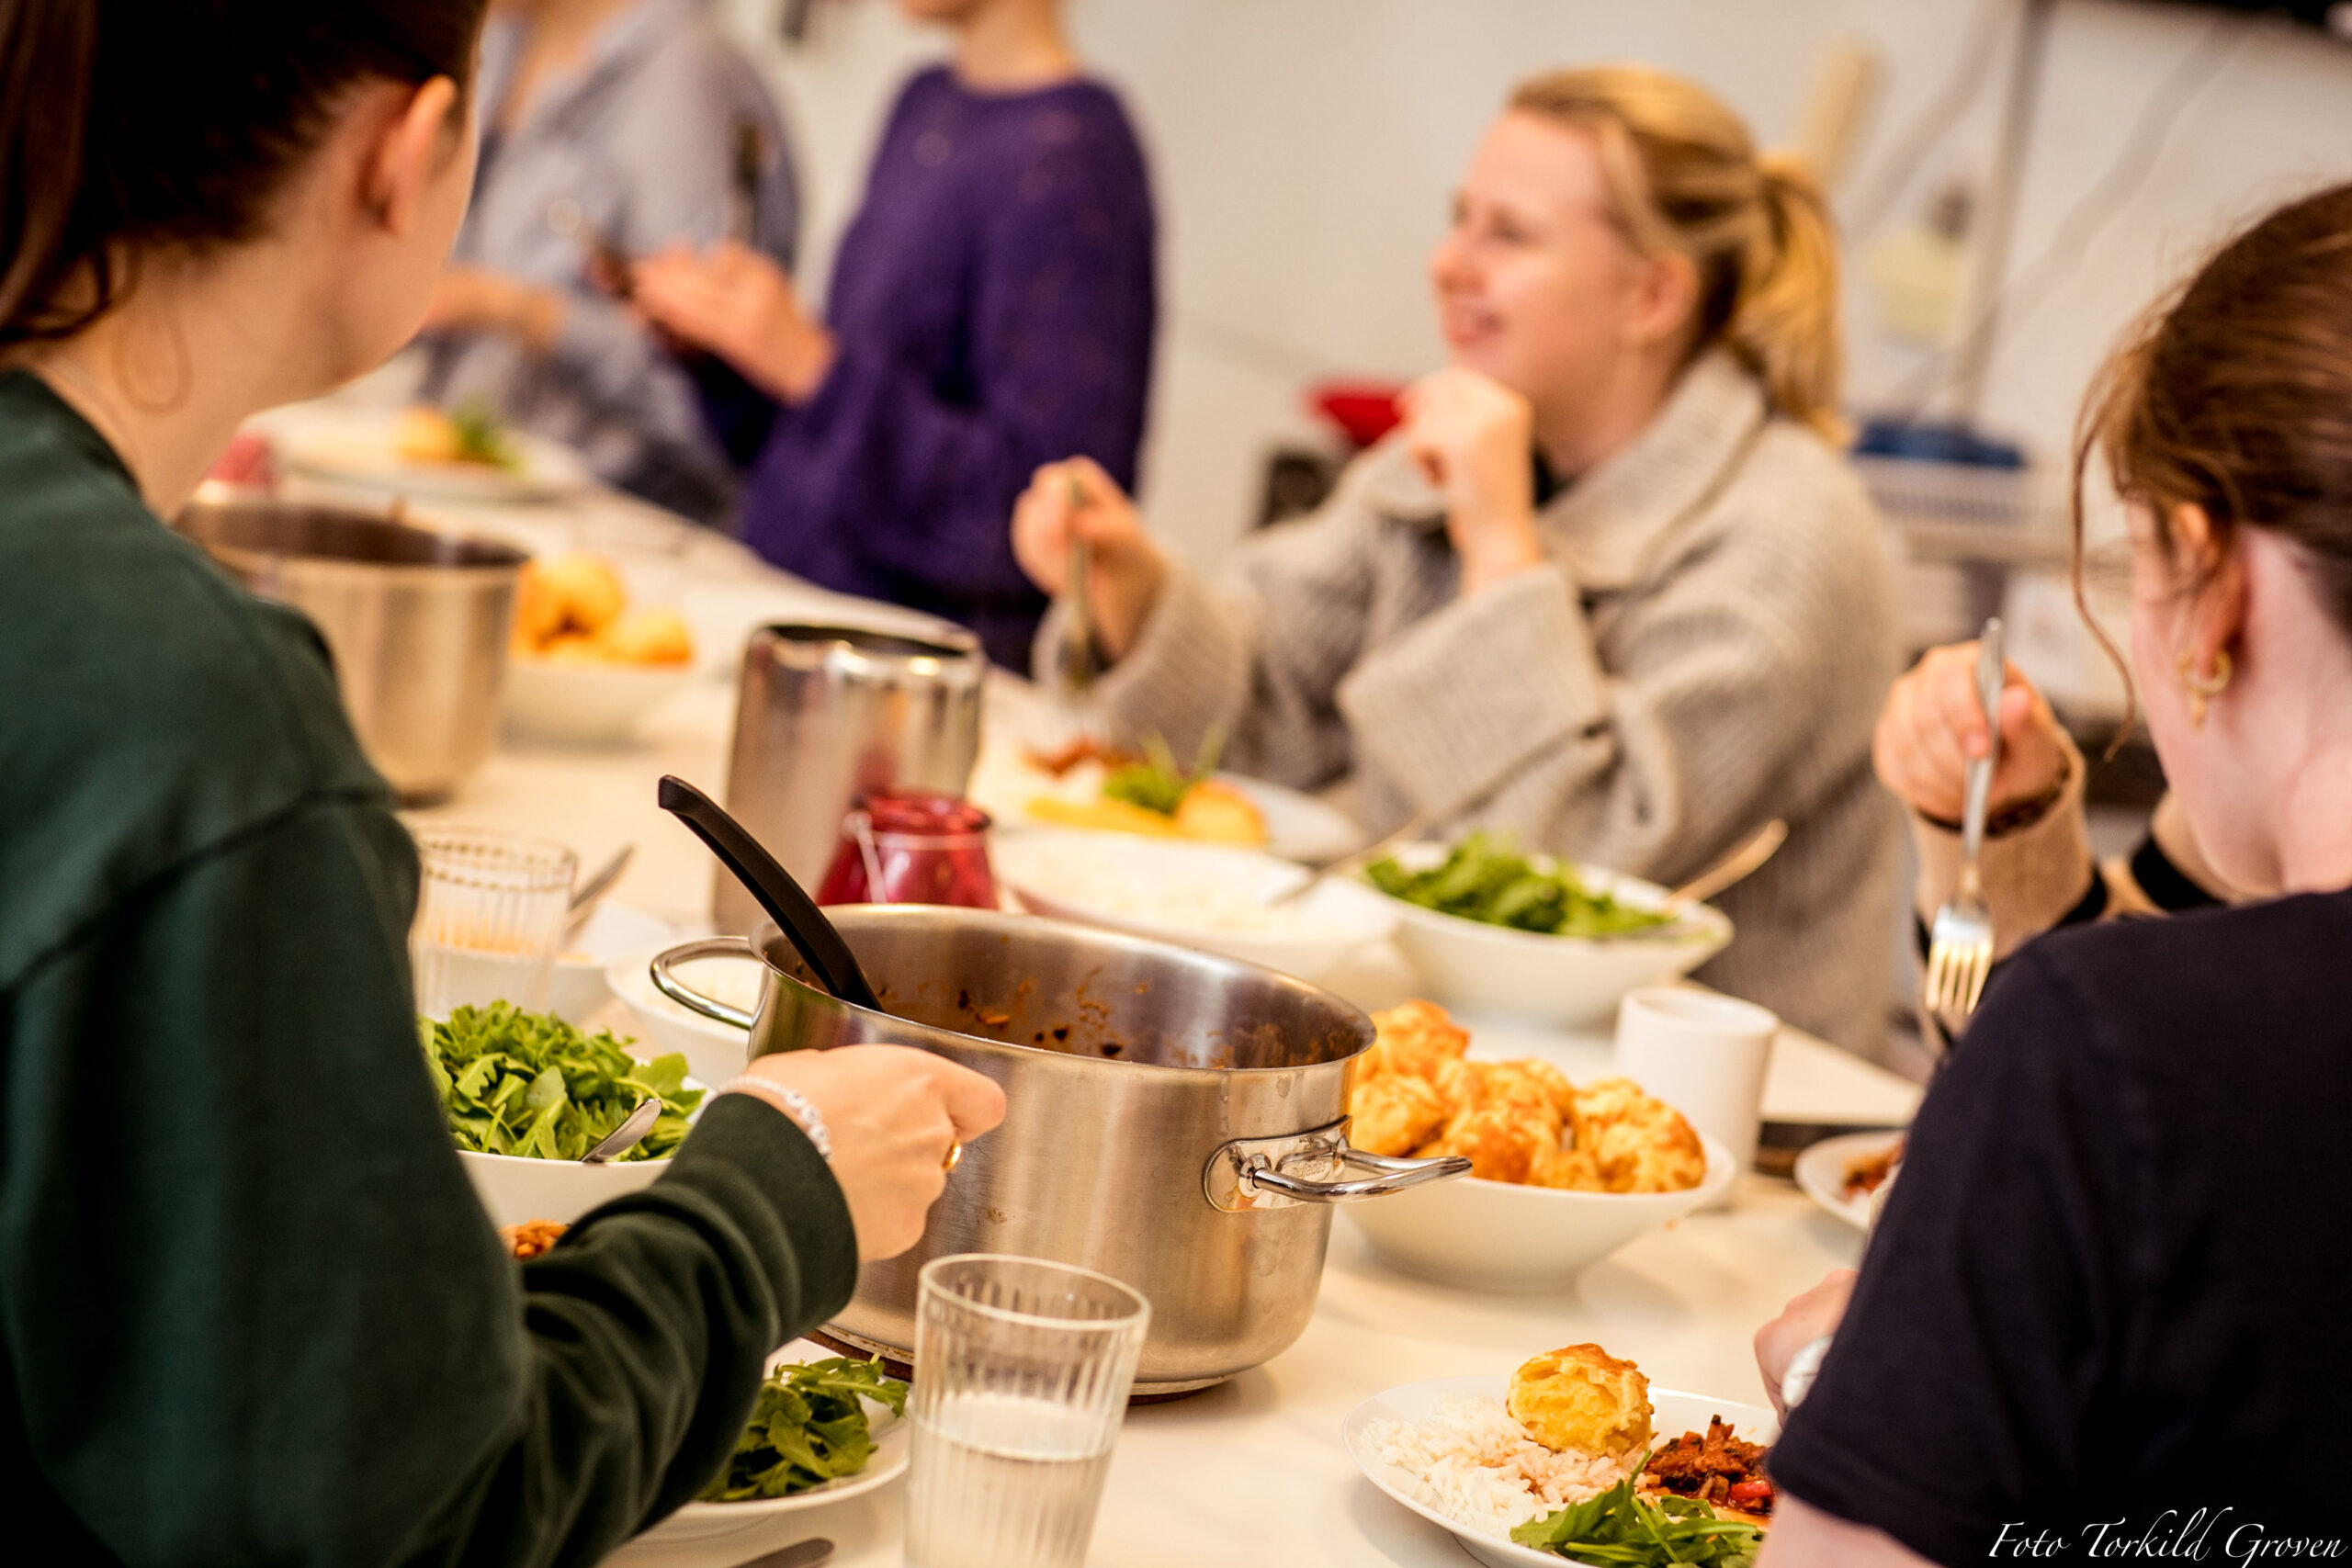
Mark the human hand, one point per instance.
(1127, 566)
(1802, 1321)
(1933, 726)
(893, 1113)
(737, 303)
(1474, 437)
(477, 299)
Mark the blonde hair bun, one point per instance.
(1687, 180)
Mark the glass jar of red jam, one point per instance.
(913, 847)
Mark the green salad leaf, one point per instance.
(524, 1083)
(1159, 782)
(809, 1428)
(1488, 879)
(480, 437)
(1620, 1527)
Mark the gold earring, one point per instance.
(2203, 689)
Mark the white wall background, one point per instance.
(1304, 150)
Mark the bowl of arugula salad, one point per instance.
(1494, 931)
(526, 1094)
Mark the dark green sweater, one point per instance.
(250, 1311)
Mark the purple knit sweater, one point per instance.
(994, 306)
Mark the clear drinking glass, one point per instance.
(490, 917)
(1021, 1373)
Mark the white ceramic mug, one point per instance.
(1703, 1054)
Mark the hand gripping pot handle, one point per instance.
(685, 996)
(1254, 1174)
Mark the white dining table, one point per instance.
(1251, 1470)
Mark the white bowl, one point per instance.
(1549, 979)
(1495, 1235)
(1176, 891)
(714, 1052)
(585, 704)
(515, 1188)
(578, 986)
(719, 1534)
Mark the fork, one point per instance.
(1076, 653)
(1959, 944)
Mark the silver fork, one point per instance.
(1959, 944)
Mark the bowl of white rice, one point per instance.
(1210, 897)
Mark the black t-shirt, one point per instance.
(2114, 1283)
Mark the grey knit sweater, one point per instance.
(1705, 649)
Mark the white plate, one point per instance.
(1298, 826)
(1821, 1172)
(1167, 889)
(358, 448)
(1674, 1413)
(718, 1534)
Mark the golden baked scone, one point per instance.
(1500, 1142)
(588, 587)
(1568, 1170)
(1220, 814)
(1416, 1039)
(648, 637)
(1641, 1144)
(1521, 1121)
(1396, 1115)
(1580, 1399)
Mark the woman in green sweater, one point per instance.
(250, 1310)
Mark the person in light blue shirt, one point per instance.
(613, 125)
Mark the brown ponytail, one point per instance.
(128, 125)
(1687, 180)
(2234, 395)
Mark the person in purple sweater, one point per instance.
(991, 310)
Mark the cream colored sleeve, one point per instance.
(2033, 876)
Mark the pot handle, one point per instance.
(685, 996)
(1252, 1174)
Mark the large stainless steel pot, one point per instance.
(1175, 1119)
(417, 622)
(826, 713)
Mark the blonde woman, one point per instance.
(1609, 586)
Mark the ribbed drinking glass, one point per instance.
(489, 915)
(1021, 1373)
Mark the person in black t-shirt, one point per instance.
(2105, 1312)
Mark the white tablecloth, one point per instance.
(1251, 1472)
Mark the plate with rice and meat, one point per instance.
(1573, 1450)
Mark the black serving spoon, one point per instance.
(794, 913)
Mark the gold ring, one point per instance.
(955, 1157)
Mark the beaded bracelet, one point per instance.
(795, 1105)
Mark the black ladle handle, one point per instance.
(794, 913)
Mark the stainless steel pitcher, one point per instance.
(824, 715)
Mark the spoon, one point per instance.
(1760, 847)
(627, 1135)
(804, 924)
(585, 896)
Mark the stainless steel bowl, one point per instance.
(1175, 1119)
(417, 622)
